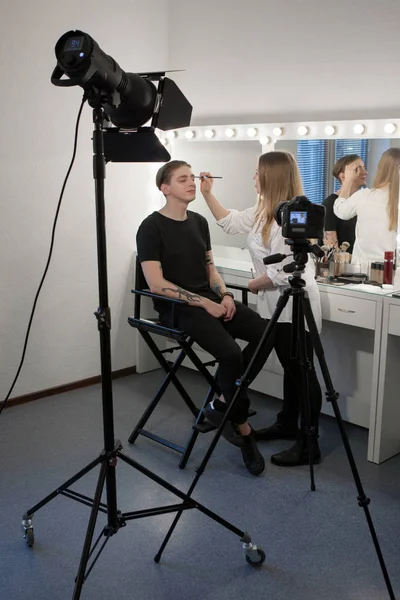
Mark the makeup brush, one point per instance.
(326, 250)
(344, 247)
(205, 177)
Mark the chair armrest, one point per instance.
(157, 296)
(148, 294)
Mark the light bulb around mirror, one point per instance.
(209, 133)
(171, 135)
(229, 132)
(330, 130)
(189, 135)
(302, 130)
(277, 131)
(390, 128)
(251, 132)
(264, 140)
(359, 129)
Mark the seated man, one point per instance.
(174, 250)
(336, 230)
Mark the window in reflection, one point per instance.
(316, 159)
(312, 158)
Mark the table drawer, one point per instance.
(348, 310)
(394, 320)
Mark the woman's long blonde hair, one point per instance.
(387, 174)
(280, 180)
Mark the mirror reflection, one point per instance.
(235, 162)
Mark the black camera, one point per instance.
(300, 218)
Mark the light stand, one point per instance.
(112, 449)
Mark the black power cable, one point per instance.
(49, 257)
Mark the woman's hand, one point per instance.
(253, 286)
(262, 282)
(206, 183)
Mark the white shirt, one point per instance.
(245, 222)
(373, 237)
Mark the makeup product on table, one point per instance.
(351, 269)
(388, 268)
(322, 264)
(376, 273)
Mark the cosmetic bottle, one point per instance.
(388, 268)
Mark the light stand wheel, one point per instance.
(255, 557)
(27, 530)
(30, 537)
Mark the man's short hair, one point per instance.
(342, 163)
(164, 174)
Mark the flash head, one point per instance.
(130, 100)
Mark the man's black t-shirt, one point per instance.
(345, 230)
(180, 247)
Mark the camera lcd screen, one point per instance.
(298, 218)
(74, 44)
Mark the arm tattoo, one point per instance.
(209, 258)
(183, 294)
(217, 285)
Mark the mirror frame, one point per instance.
(265, 134)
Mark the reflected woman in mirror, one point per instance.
(276, 179)
(337, 230)
(376, 209)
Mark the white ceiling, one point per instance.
(269, 60)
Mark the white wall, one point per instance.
(37, 126)
(269, 60)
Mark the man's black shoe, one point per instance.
(252, 457)
(229, 432)
(297, 455)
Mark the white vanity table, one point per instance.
(361, 340)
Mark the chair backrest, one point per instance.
(140, 279)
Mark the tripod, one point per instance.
(301, 314)
(107, 460)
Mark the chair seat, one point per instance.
(155, 326)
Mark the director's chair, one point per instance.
(184, 344)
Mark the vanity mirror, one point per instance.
(233, 152)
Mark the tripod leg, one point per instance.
(332, 396)
(299, 333)
(167, 537)
(90, 531)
